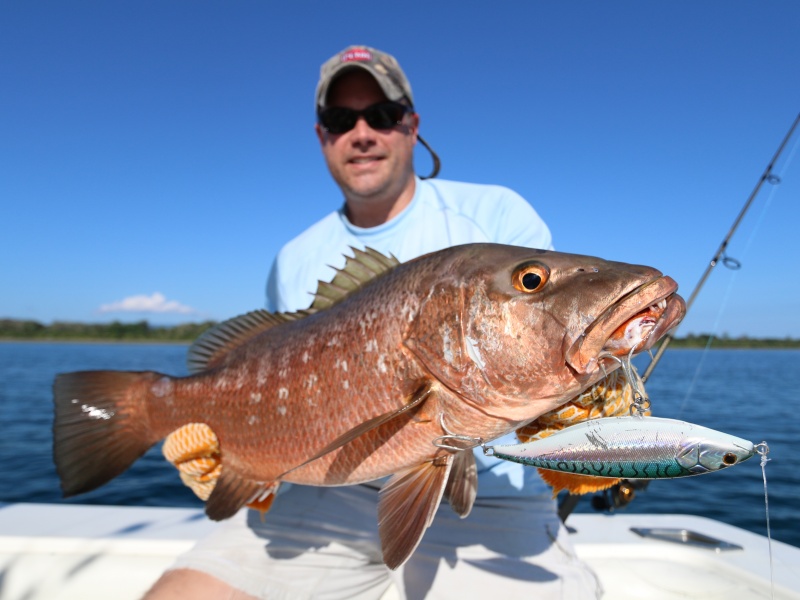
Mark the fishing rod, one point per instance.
(623, 493)
(720, 255)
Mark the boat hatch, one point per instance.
(685, 536)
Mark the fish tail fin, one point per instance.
(574, 483)
(100, 426)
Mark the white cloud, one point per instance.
(155, 303)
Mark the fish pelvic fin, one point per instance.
(407, 505)
(462, 485)
(576, 484)
(100, 426)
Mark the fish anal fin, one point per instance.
(232, 492)
(264, 502)
(462, 485)
(576, 484)
(407, 505)
(194, 450)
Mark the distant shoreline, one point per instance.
(676, 344)
(141, 332)
(10, 340)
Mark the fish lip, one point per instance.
(585, 352)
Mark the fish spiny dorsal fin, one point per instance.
(212, 346)
(364, 266)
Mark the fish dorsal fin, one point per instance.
(462, 486)
(407, 505)
(364, 266)
(213, 345)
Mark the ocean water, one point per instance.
(754, 394)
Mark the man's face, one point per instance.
(368, 164)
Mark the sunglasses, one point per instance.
(383, 115)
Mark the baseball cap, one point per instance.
(383, 67)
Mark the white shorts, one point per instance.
(323, 543)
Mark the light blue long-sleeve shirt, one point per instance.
(441, 214)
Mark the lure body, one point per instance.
(630, 448)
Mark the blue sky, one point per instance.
(155, 155)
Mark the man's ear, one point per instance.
(414, 124)
(321, 133)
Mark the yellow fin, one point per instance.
(576, 484)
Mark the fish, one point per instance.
(474, 340)
(632, 447)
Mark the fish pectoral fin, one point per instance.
(462, 485)
(407, 505)
(576, 484)
(415, 400)
(231, 493)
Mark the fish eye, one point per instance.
(530, 277)
(729, 459)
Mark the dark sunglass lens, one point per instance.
(384, 116)
(337, 119)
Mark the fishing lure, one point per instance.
(631, 448)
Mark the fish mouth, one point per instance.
(631, 325)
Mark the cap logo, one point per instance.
(357, 54)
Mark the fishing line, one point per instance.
(763, 451)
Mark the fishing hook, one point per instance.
(641, 402)
(441, 441)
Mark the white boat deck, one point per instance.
(71, 552)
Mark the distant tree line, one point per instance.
(702, 340)
(16, 329)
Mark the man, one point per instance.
(323, 542)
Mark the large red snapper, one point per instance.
(474, 341)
